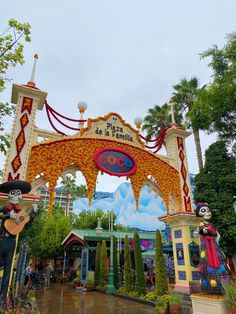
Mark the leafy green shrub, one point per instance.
(150, 296)
(103, 265)
(122, 290)
(230, 293)
(175, 298)
(97, 264)
(127, 267)
(76, 281)
(140, 280)
(102, 288)
(161, 303)
(115, 265)
(89, 283)
(161, 278)
(133, 294)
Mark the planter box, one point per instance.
(126, 297)
(203, 304)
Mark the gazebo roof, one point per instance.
(83, 235)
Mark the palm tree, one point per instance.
(68, 186)
(80, 191)
(157, 119)
(184, 95)
(72, 191)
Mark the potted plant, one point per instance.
(76, 282)
(161, 305)
(230, 295)
(89, 285)
(174, 303)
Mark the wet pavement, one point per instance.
(62, 298)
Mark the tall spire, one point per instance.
(171, 103)
(31, 82)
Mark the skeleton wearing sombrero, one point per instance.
(14, 189)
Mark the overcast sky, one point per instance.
(121, 56)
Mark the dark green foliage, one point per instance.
(103, 265)
(97, 265)
(46, 233)
(88, 219)
(140, 280)
(185, 95)
(215, 109)
(157, 119)
(160, 277)
(127, 267)
(115, 265)
(216, 185)
(11, 54)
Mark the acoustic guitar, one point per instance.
(15, 226)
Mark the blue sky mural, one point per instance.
(123, 204)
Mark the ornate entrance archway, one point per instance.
(42, 162)
(52, 158)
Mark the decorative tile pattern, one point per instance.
(178, 234)
(185, 188)
(20, 139)
(24, 120)
(27, 104)
(182, 275)
(195, 275)
(180, 254)
(16, 163)
(187, 204)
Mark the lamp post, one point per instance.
(111, 288)
(82, 106)
(118, 258)
(138, 122)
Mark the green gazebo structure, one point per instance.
(80, 247)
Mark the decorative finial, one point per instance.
(138, 122)
(82, 106)
(171, 104)
(31, 83)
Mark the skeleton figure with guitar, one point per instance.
(12, 221)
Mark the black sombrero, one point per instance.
(23, 186)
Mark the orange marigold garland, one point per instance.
(54, 157)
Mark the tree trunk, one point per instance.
(198, 149)
(67, 204)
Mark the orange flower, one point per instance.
(54, 157)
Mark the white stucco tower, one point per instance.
(28, 98)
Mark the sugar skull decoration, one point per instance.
(13, 214)
(213, 263)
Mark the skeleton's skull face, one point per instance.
(114, 119)
(14, 196)
(205, 212)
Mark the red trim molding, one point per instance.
(73, 238)
(183, 170)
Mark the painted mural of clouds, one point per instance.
(123, 203)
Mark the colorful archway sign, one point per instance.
(115, 162)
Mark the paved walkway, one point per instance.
(64, 299)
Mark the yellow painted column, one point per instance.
(182, 225)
